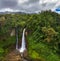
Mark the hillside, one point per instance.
(42, 35)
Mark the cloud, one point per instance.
(29, 5)
(22, 1)
(8, 9)
(8, 3)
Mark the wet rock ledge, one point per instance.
(16, 56)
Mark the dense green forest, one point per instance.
(43, 34)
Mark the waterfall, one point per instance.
(16, 38)
(23, 46)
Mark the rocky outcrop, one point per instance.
(13, 56)
(16, 56)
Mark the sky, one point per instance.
(33, 6)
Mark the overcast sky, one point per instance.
(29, 5)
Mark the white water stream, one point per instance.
(23, 45)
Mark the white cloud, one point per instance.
(28, 5)
(22, 1)
(57, 4)
(8, 9)
(47, 1)
(49, 4)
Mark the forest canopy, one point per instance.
(43, 34)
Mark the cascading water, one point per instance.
(16, 38)
(23, 45)
(22, 49)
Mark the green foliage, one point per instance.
(1, 51)
(43, 34)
